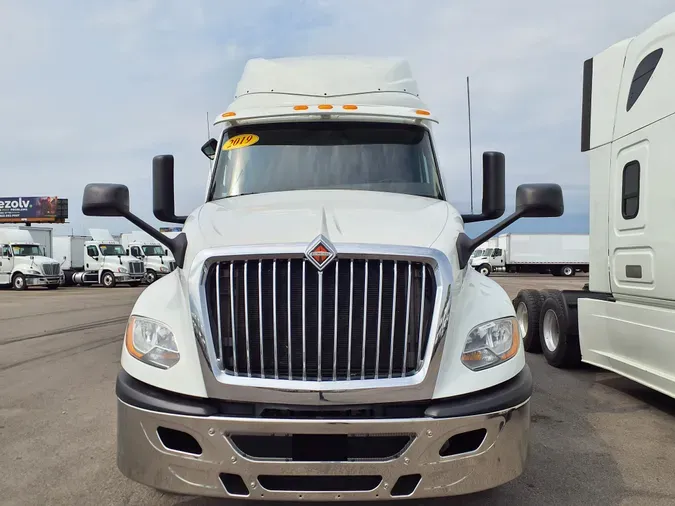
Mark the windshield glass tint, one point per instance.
(153, 251)
(328, 155)
(111, 250)
(26, 250)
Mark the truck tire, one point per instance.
(150, 277)
(485, 269)
(567, 271)
(19, 281)
(528, 306)
(559, 334)
(108, 279)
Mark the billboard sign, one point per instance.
(30, 209)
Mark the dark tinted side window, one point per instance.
(643, 73)
(92, 251)
(630, 191)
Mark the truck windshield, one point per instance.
(153, 251)
(26, 250)
(327, 155)
(110, 250)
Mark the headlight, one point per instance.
(33, 271)
(163, 269)
(151, 342)
(491, 343)
(122, 269)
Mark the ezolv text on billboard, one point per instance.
(14, 209)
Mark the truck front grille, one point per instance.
(135, 267)
(51, 269)
(357, 319)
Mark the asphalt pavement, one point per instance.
(597, 439)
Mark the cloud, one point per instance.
(92, 90)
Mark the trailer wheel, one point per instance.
(567, 271)
(108, 279)
(528, 306)
(19, 281)
(559, 335)
(485, 269)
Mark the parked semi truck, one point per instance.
(23, 262)
(623, 321)
(97, 259)
(157, 259)
(324, 336)
(557, 254)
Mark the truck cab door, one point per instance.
(93, 260)
(497, 259)
(6, 264)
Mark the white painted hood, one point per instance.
(343, 216)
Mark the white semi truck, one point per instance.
(557, 254)
(23, 262)
(97, 259)
(624, 320)
(323, 336)
(157, 259)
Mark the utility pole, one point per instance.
(468, 101)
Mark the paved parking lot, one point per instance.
(597, 439)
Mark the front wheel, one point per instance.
(485, 269)
(150, 277)
(19, 281)
(108, 279)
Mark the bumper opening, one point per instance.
(466, 442)
(325, 483)
(234, 484)
(406, 485)
(321, 447)
(179, 441)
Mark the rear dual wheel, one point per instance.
(559, 331)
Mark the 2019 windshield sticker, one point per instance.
(240, 141)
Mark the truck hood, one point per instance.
(36, 260)
(343, 216)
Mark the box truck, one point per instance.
(623, 321)
(557, 254)
(97, 259)
(23, 262)
(323, 336)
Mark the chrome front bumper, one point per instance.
(145, 458)
(122, 277)
(42, 280)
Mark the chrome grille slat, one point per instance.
(325, 326)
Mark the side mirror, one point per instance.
(103, 199)
(539, 201)
(127, 251)
(209, 148)
(494, 170)
(162, 190)
(166, 251)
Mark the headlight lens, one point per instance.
(491, 343)
(163, 269)
(151, 342)
(33, 271)
(122, 269)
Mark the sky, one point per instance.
(91, 91)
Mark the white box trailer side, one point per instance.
(558, 254)
(69, 252)
(40, 235)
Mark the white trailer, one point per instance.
(558, 254)
(40, 235)
(623, 320)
